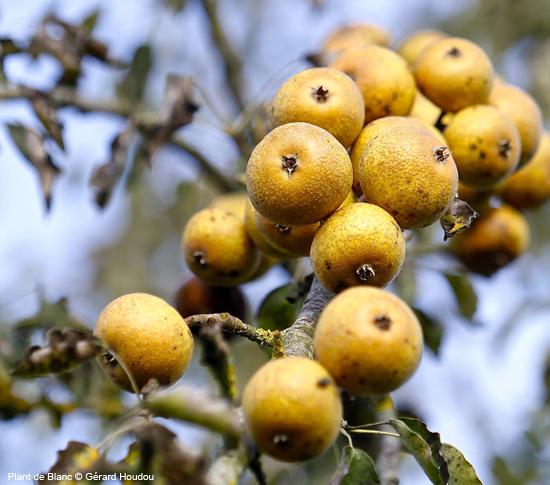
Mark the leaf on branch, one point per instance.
(157, 452)
(465, 294)
(7, 47)
(62, 352)
(106, 177)
(458, 218)
(77, 457)
(425, 446)
(46, 112)
(11, 406)
(88, 24)
(356, 468)
(31, 145)
(132, 86)
(177, 111)
(461, 472)
(280, 308)
(432, 330)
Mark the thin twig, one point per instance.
(373, 431)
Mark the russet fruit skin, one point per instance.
(298, 175)
(324, 97)
(360, 244)
(529, 187)
(411, 47)
(149, 336)
(355, 35)
(524, 111)
(486, 145)
(369, 340)
(384, 79)
(217, 248)
(292, 409)
(496, 238)
(368, 133)
(407, 172)
(454, 73)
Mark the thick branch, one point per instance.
(388, 452)
(229, 467)
(233, 64)
(298, 339)
(231, 324)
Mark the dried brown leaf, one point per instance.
(458, 218)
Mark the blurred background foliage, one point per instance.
(136, 215)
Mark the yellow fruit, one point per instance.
(295, 241)
(477, 199)
(149, 336)
(368, 133)
(486, 145)
(369, 340)
(495, 238)
(529, 187)
(292, 409)
(234, 202)
(384, 79)
(411, 47)
(323, 97)
(407, 172)
(356, 35)
(298, 175)
(217, 248)
(424, 110)
(259, 240)
(524, 111)
(360, 244)
(454, 73)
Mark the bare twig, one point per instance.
(388, 451)
(298, 339)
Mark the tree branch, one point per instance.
(298, 339)
(388, 451)
(229, 467)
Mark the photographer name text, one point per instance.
(15, 477)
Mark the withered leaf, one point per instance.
(457, 219)
(177, 111)
(31, 145)
(46, 112)
(77, 457)
(62, 352)
(106, 177)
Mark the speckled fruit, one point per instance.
(356, 35)
(298, 175)
(149, 336)
(454, 73)
(369, 340)
(497, 237)
(486, 145)
(292, 409)
(529, 187)
(411, 47)
(524, 111)
(323, 97)
(217, 248)
(384, 79)
(407, 172)
(360, 244)
(424, 110)
(368, 133)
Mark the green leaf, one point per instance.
(432, 330)
(89, 22)
(465, 294)
(425, 446)
(276, 311)
(63, 351)
(461, 472)
(132, 86)
(406, 283)
(356, 468)
(46, 112)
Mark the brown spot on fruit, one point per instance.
(382, 322)
(454, 52)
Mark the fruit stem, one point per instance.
(128, 373)
(373, 431)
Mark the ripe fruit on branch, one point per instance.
(412, 46)
(217, 248)
(360, 244)
(454, 73)
(323, 97)
(407, 172)
(298, 175)
(486, 145)
(384, 79)
(369, 340)
(292, 409)
(356, 35)
(234, 202)
(495, 239)
(149, 336)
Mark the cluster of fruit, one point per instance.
(364, 127)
